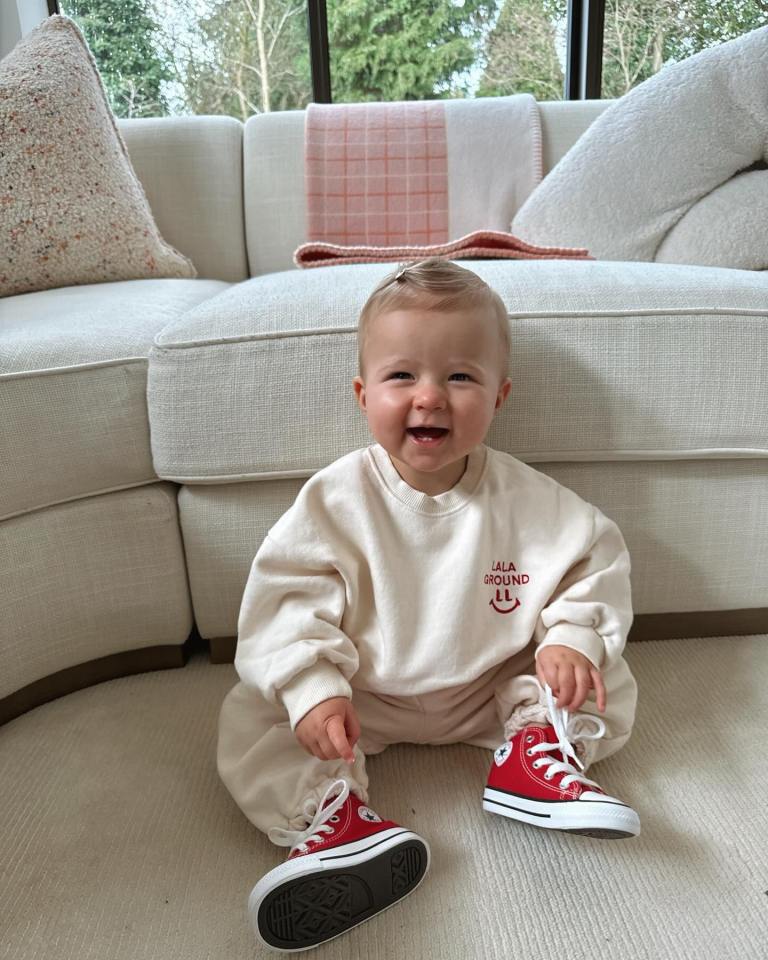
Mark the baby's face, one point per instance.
(424, 368)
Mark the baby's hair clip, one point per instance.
(400, 274)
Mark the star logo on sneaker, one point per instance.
(365, 813)
(501, 754)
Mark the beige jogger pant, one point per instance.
(271, 776)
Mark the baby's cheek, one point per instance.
(392, 400)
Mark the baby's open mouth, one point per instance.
(427, 433)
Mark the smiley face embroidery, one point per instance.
(505, 577)
(499, 605)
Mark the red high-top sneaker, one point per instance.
(346, 866)
(528, 783)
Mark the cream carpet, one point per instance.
(119, 843)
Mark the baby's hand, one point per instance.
(330, 730)
(570, 675)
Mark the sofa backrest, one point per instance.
(273, 174)
(231, 196)
(191, 169)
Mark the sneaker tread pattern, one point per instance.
(309, 910)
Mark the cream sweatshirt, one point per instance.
(367, 582)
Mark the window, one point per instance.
(405, 50)
(182, 57)
(240, 57)
(640, 36)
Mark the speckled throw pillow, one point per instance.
(72, 210)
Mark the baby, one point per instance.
(423, 589)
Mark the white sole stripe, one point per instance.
(508, 806)
(521, 796)
(359, 850)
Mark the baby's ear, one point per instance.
(359, 387)
(504, 389)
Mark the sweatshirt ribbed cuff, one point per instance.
(583, 639)
(319, 682)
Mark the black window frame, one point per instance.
(584, 49)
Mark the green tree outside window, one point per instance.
(240, 57)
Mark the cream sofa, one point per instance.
(153, 431)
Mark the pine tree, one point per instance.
(120, 38)
(404, 50)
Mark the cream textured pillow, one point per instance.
(724, 229)
(72, 210)
(654, 153)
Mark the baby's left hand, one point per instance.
(570, 675)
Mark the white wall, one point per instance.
(17, 18)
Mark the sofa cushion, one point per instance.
(609, 361)
(122, 843)
(73, 386)
(191, 169)
(274, 182)
(88, 580)
(71, 208)
(695, 531)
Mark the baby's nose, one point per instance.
(431, 398)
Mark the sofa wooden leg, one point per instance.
(83, 675)
(222, 649)
(699, 623)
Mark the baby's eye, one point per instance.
(401, 374)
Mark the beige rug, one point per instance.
(119, 843)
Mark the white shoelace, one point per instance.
(317, 814)
(566, 733)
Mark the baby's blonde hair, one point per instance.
(434, 284)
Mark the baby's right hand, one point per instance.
(330, 730)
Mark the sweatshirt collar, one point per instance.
(458, 496)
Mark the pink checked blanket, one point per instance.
(480, 245)
(418, 172)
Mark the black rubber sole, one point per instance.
(309, 910)
(600, 834)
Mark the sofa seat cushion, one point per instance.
(121, 841)
(609, 361)
(73, 385)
